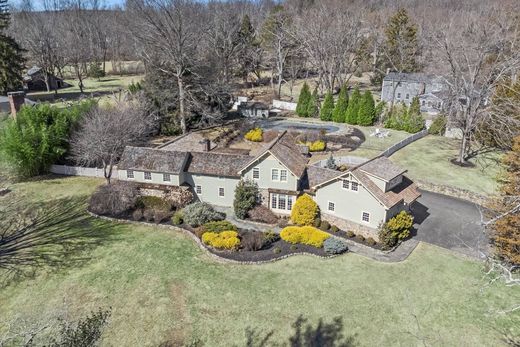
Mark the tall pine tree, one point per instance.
(338, 115)
(327, 108)
(353, 107)
(312, 108)
(302, 107)
(367, 110)
(11, 58)
(414, 121)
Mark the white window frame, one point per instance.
(273, 171)
(354, 184)
(282, 197)
(363, 217)
(286, 198)
(166, 177)
(274, 201)
(333, 206)
(289, 202)
(221, 190)
(256, 173)
(398, 95)
(149, 174)
(198, 189)
(283, 175)
(130, 174)
(345, 184)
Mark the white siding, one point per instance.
(265, 165)
(157, 178)
(349, 204)
(210, 188)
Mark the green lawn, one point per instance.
(428, 159)
(161, 287)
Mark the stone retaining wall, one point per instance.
(348, 225)
(453, 192)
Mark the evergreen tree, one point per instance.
(303, 101)
(327, 108)
(402, 43)
(367, 110)
(338, 115)
(95, 71)
(353, 107)
(414, 121)
(312, 108)
(331, 163)
(11, 59)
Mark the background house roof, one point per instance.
(408, 77)
(382, 167)
(217, 164)
(151, 159)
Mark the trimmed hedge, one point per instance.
(306, 235)
(224, 240)
(219, 226)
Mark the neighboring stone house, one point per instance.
(403, 87)
(358, 199)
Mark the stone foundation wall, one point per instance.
(346, 225)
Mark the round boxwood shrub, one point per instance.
(305, 211)
(360, 238)
(334, 229)
(177, 218)
(200, 213)
(317, 222)
(333, 245)
(350, 234)
(371, 241)
(325, 225)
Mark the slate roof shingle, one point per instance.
(317, 175)
(151, 159)
(286, 150)
(216, 164)
(383, 168)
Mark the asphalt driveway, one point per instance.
(451, 223)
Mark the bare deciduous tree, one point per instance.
(103, 133)
(478, 54)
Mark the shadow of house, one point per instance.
(36, 80)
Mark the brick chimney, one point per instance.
(206, 145)
(16, 100)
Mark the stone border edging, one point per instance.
(201, 245)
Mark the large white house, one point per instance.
(357, 199)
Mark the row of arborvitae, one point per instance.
(357, 109)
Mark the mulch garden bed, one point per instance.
(343, 234)
(269, 252)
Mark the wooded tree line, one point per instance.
(196, 53)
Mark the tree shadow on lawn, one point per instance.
(57, 234)
(305, 335)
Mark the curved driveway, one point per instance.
(451, 223)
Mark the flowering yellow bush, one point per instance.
(255, 135)
(223, 240)
(316, 146)
(307, 235)
(304, 211)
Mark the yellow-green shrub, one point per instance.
(316, 146)
(255, 135)
(223, 240)
(307, 235)
(304, 211)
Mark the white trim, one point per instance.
(169, 177)
(363, 215)
(257, 158)
(333, 205)
(198, 189)
(223, 192)
(277, 175)
(128, 174)
(286, 175)
(149, 173)
(257, 170)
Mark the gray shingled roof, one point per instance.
(407, 77)
(317, 175)
(286, 150)
(151, 159)
(217, 164)
(382, 167)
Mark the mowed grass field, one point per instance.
(162, 287)
(428, 159)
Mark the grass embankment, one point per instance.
(162, 287)
(428, 159)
